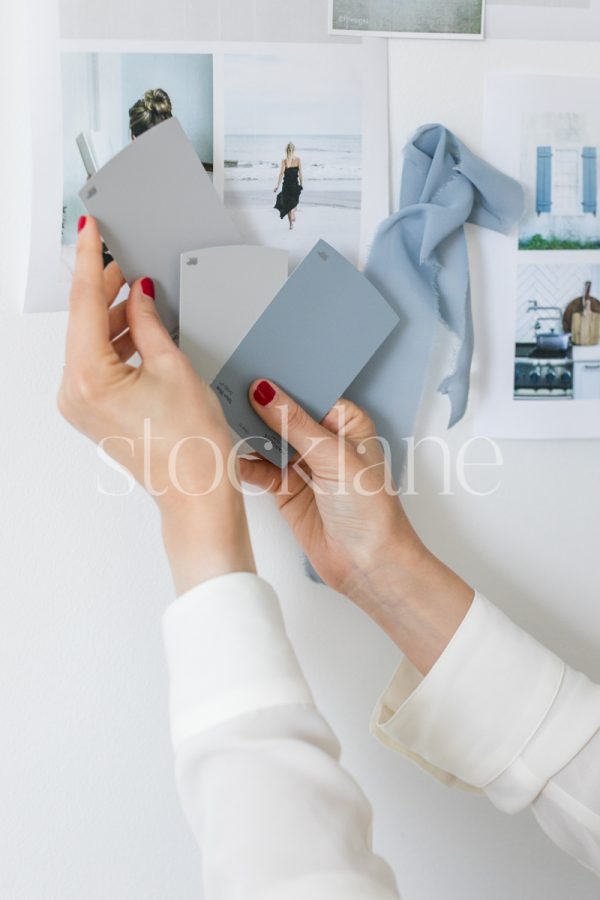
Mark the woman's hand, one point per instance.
(343, 508)
(158, 420)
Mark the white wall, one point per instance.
(88, 802)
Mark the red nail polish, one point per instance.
(81, 223)
(264, 393)
(147, 286)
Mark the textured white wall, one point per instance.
(88, 801)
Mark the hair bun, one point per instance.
(157, 101)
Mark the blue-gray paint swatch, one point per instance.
(312, 340)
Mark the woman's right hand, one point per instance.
(158, 420)
(344, 510)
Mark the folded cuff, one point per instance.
(482, 703)
(228, 654)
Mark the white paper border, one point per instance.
(45, 113)
(496, 412)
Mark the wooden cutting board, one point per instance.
(583, 330)
(585, 327)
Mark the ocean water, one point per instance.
(329, 162)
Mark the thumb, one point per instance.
(147, 330)
(281, 413)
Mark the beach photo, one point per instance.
(110, 99)
(293, 146)
(559, 170)
(408, 18)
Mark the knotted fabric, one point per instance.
(419, 263)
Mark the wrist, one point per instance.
(417, 600)
(203, 542)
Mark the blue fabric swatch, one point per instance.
(419, 263)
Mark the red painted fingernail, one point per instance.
(264, 393)
(147, 287)
(81, 223)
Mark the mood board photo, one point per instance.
(278, 128)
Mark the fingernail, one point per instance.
(263, 393)
(148, 287)
(81, 223)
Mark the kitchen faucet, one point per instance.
(533, 306)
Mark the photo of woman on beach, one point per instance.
(291, 172)
(293, 127)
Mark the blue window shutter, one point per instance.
(590, 181)
(543, 195)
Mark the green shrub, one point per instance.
(537, 242)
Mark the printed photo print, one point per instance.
(559, 169)
(417, 18)
(110, 99)
(557, 346)
(293, 156)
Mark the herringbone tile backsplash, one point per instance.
(550, 286)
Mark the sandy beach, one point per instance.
(333, 216)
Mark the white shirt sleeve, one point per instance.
(501, 714)
(257, 767)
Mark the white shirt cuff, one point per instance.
(228, 654)
(496, 703)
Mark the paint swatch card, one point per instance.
(154, 201)
(323, 326)
(224, 290)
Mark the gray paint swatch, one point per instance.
(154, 201)
(224, 290)
(313, 339)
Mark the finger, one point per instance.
(149, 335)
(117, 319)
(124, 347)
(88, 332)
(269, 478)
(113, 282)
(281, 413)
(349, 420)
(260, 473)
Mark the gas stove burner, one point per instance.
(543, 379)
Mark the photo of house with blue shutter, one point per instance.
(559, 170)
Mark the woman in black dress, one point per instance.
(289, 197)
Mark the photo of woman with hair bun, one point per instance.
(150, 110)
(110, 99)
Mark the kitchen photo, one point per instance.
(557, 346)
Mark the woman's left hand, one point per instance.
(158, 420)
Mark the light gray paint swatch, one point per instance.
(154, 201)
(313, 339)
(224, 290)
